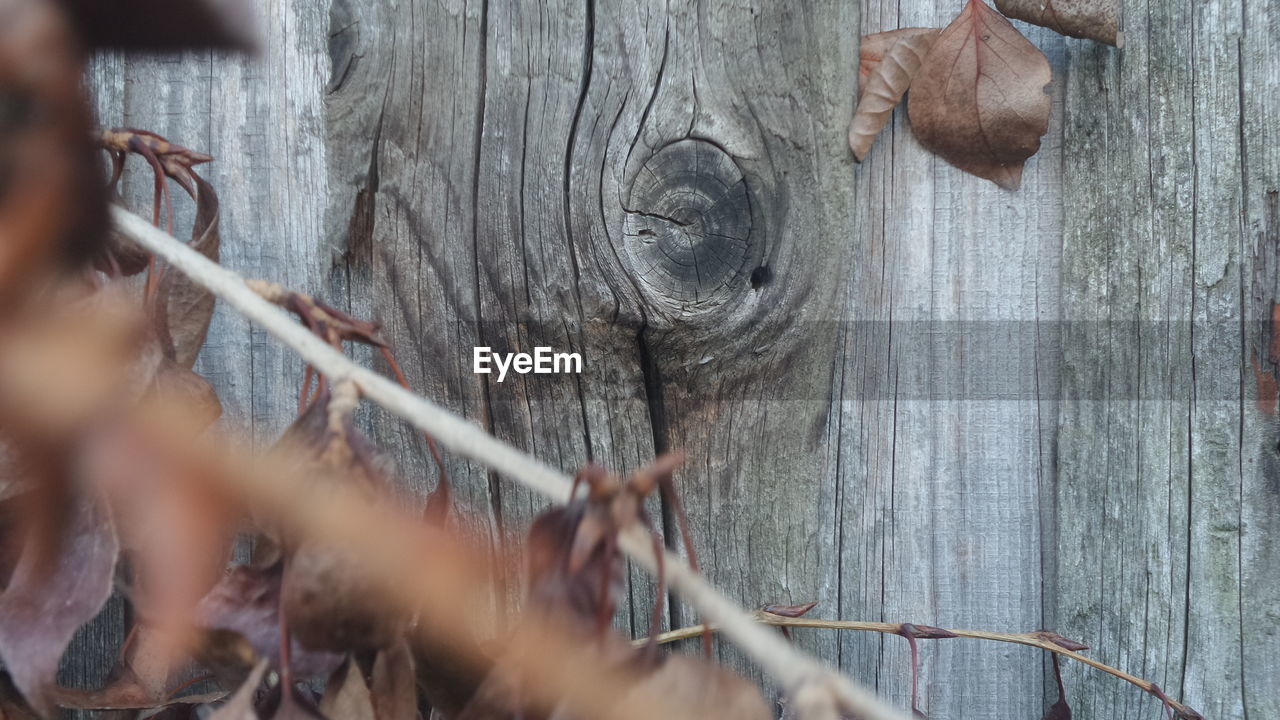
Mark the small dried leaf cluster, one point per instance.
(977, 86)
(116, 478)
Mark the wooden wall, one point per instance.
(904, 393)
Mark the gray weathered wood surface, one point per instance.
(904, 393)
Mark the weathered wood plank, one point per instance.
(711, 181)
(948, 409)
(457, 231)
(1260, 471)
(1165, 469)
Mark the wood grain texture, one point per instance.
(904, 393)
(1166, 493)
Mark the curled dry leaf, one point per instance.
(872, 49)
(34, 631)
(979, 99)
(328, 593)
(1091, 19)
(889, 74)
(183, 309)
(246, 602)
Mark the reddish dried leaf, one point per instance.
(328, 590)
(42, 608)
(395, 695)
(584, 593)
(448, 674)
(887, 81)
(872, 49)
(330, 601)
(979, 99)
(1092, 19)
(347, 696)
(247, 602)
(184, 309)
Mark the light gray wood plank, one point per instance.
(1164, 460)
(684, 103)
(947, 402)
(1260, 471)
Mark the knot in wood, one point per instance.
(687, 233)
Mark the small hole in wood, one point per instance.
(761, 277)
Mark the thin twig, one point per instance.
(1041, 640)
(793, 669)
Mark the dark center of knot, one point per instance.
(687, 233)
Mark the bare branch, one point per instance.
(1047, 641)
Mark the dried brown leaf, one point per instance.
(42, 608)
(584, 592)
(247, 601)
(1092, 19)
(979, 99)
(329, 591)
(887, 81)
(183, 308)
(872, 49)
